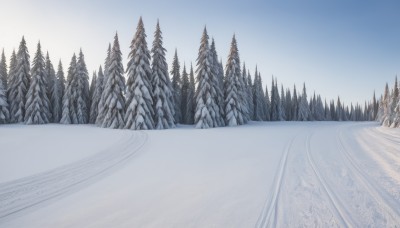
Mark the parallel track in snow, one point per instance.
(380, 195)
(337, 207)
(23, 194)
(268, 215)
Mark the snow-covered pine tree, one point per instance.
(98, 90)
(332, 109)
(114, 100)
(319, 109)
(50, 80)
(375, 107)
(304, 110)
(37, 101)
(384, 105)
(68, 110)
(258, 98)
(3, 71)
(274, 101)
(190, 107)
(339, 110)
(288, 105)
(249, 93)
(92, 88)
(184, 92)
(235, 110)
(57, 94)
(176, 88)
(327, 112)
(139, 106)
(81, 92)
(100, 117)
(207, 110)
(282, 103)
(267, 105)
(393, 100)
(262, 96)
(11, 77)
(218, 83)
(4, 112)
(162, 87)
(295, 104)
(21, 82)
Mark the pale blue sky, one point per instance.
(346, 48)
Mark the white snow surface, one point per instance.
(274, 174)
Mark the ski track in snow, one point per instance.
(333, 199)
(270, 208)
(24, 194)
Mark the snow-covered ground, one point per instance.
(292, 174)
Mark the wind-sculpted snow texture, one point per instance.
(275, 174)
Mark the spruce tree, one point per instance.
(282, 114)
(81, 92)
(190, 107)
(161, 85)
(57, 94)
(207, 110)
(139, 106)
(176, 88)
(392, 104)
(267, 105)
(68, 110)
(100, 117)
(288, 105)
(235, 109)
(11, 77)
(50, 80)
(4, 112)
(258, 98)
(218, 83)
(37, 101)
(114, 100)
(21, 82)
(295, 104)
(92, 88)
(3, 71)
(184, 92)
(98, 90)
(304, 110)
(249, 93)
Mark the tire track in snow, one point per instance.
(380, 196)
(269, 211)
(23, 194)
(337, 207)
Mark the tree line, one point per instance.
(146, 95)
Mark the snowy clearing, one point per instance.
(275, 174)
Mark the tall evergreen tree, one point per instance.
(249, 93)
(21, 82)
(235, 109)
(393, 101)
(114, 100)
(184, 92)
(258, 98)
(92, 87)
(282, 114)
(81, 91)
(339, 110)
(57, 94)
(295, 104)
(304, 110)
(139, 106)
(98, 91)
(3, 71)
(50, 80)
(68, 108)
(190, 107)
(218, 83)
(176, 88)
(288, 105)
(100, 117)
(207, 110)
(11, 77)
(37, 101)
(163, 95)
(268, 105)
(4, 112)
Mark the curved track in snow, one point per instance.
(23, 194)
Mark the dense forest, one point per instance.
(146, 95)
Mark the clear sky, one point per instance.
(347, 48)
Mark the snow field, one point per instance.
(318, 174)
